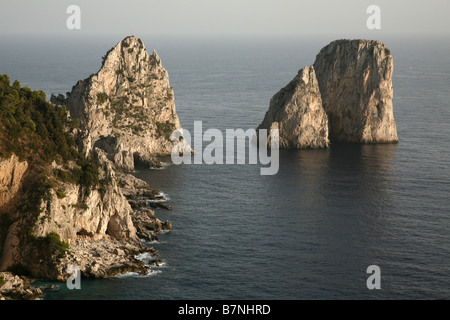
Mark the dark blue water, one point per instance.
(309, 232)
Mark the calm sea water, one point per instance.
(309, 232)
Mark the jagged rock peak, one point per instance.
(130, 58)
(296, 110)
(127, 108)
(128, 64)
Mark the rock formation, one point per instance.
(62, 199)
(148, 226)
(127, 108)
(346, 96)
(15, 287)
(355, 81)
(296, 110)
(12, 171)
(67, 210)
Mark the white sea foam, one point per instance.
(145, 257)
(164, 196)
(159, 200)
(137, 274)
(126, 275)
(162, 264)
(149, 243)
(163, 166)
(150, 273)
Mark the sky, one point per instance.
(223, 17)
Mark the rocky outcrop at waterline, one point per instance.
(99, 232)
(346, 96)
(20, 288)
(34, 239)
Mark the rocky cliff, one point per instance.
(12, 171)
(67, 211)
(348, 90)
(62, 201)
(296, 110)
(127, 108)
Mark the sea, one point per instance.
(312, 230)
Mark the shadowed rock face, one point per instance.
(127, 108)
(296, 110)
(355, 81)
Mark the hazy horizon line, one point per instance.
(78, 34)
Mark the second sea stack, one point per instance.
(346, 97)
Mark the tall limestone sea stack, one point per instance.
(127, 108)
(352, 95)
(355, 81)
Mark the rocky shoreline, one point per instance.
(105, 257)
(82, 206)
(17, 287)
(109, 257)
(141, 197)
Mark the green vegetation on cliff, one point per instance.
(31, 127)
(40, 132)
(45, 136)
(53, 245)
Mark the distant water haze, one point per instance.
(311, 230)
(231, 17)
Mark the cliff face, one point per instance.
(99, 212)
(355, 81)
(67, 209)
(348, 89)
(127, 108)
(12, 171)
(296, 110)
